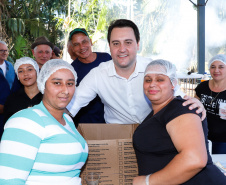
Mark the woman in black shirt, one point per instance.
(171, 143)
(211, 93)
(27, 96)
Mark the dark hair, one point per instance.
(121, 23)
(57, 51)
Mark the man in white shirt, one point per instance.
(119, 82)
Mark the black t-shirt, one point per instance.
(154, 148)
(18, 101)
(216, 125)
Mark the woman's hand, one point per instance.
(195, 103)
(140, 180)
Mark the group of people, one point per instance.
(40, 144)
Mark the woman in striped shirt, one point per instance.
(40, 145)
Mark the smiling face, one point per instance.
(27, 75)
(81, 46)
(42, 54)
(123, 47)
(218, 70)
(59, 90)
(158, 88)
(3, 53)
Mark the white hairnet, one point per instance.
(162, 67)
(220, 57)
(51, 67)
(25, 60)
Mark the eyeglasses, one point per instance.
(3, 51)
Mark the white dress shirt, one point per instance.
(124, 100)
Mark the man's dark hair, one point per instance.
(121, 23)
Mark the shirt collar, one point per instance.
(138, 69)
(111, 69)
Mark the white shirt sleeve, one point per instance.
(84, 93)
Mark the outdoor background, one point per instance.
(168, 28)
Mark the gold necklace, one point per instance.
(214, 97)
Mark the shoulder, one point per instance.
(176, 102)
(175, 109)
(33, 114)
(176, 105)
(103, 57)
(28, 120)
(97, 74)
(103, 66)
(19, 92)
(8, 63)
(14, 96)
(103, 54)
(202, 85)
(76, 61)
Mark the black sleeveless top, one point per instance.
(154, 148)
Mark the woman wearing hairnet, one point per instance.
(171, 143)
(27, 71)
(211, 93)
(40, 145)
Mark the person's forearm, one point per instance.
(71, 108)
(83, 95)
(182, 168)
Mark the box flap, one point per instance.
(106, 131)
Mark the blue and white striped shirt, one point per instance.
(37, 150)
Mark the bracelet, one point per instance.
(147, 179)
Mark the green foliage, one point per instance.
(20, 48)
(16, 26)
(24, 22)
(90, 14)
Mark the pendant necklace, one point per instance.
(214, 97)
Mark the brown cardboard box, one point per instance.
(111, 152)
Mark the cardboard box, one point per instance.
(111, 152)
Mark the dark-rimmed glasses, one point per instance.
(3, 51)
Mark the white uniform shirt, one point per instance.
(124, 100)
